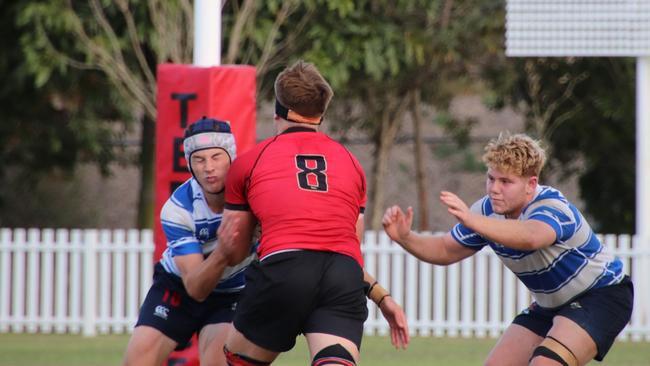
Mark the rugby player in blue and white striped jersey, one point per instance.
(582, 299)
(193, 290)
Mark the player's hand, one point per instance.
(227, 235)
(399, 329)
(397, 224)
(455, 206)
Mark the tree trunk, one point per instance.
(245, 14)
(390, 124)
(382, 149)
(146, 195)
(420, 176)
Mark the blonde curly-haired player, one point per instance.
(582, 299)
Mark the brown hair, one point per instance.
(518, 154)
(302, 89)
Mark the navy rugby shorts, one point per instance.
(602, 312)
(170, 309)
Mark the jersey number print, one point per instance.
(311, 172)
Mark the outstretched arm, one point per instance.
(515, 234)
(436, 249)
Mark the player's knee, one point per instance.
(333, 355)
(237, 359)
(147, 347)
(553, 349)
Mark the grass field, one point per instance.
(71, 350)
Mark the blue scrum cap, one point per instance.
(208, 133)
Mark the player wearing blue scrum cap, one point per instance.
(192, 292)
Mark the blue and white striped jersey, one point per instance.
(190, 226)
(575, 263)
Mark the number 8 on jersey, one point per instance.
(311, 172)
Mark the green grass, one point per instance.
(60, 350)
(72, 350)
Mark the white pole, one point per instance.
(207, 33)
(643, 177)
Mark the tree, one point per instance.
(378, 54)
(420, 178)
(49, 126)
(124, 40)
(268, 34)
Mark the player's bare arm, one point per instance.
(235, 235)
(200, 276)
(394, 315)
(515, 234)
(436, 249)
(391, 310)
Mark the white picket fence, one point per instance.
(93, 281)
(478, 296)
(73, 280)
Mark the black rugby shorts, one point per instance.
(298, 292)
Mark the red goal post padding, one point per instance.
(185, 94)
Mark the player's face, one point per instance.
(210, 167)
(509, 193)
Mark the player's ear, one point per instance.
(531, 184)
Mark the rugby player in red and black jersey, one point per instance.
(308, 193)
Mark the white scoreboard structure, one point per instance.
(596, 28)
(588, 28)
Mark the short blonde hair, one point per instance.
(518, 154)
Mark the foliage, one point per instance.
(584, 109)
(123, 41)
(54, 125)
(368, 46)
(379, 55)
(72, 69)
